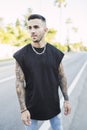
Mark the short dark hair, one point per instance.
(36, 16)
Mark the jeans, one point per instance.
(56, 124)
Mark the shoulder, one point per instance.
(55, 50)
(21, 51)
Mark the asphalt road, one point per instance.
(9, 106)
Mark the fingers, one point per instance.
(29, 119)
(26, 122)
(67, 111)
(26, 118)
(67, 108)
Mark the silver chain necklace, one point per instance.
(39, 53)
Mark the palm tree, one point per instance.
(29, 12)
(17, 23)
(76, 30)
(1, 21)
(60, 4)
(68, 22)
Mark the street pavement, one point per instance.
(10, 118)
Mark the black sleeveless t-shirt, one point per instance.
(41, 77)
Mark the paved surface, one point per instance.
(9, 106)
(79, 120)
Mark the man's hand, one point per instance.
(67, 108)
(25, 116)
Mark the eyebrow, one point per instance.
(35, 26)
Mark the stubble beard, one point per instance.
(38, 40)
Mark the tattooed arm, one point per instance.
(20, 87)
(64, 89)
(21, 95)
(63, 82)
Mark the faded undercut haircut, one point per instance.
(36, 16)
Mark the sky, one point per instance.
(76, 10)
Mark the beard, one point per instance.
(38, 40)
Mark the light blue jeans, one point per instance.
(56, 124)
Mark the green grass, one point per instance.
(3, 60)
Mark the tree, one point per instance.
(18, 23)
(75, 29)
(68, 23)
(1, 21)
(29, 12)
(50, 35)
(60, 4)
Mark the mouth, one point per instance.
(34, 36)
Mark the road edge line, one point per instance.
(46, 124)
(6, 79)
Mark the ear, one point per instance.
(46, 30)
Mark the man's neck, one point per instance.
(38, 45)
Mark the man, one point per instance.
(39, 66)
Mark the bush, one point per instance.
(61, 47)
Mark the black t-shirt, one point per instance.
(41, 76)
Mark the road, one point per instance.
(75, 65)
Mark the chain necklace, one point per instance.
(39, 53)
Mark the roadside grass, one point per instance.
(7, 59)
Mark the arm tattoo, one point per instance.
(63, 82)
(20, 87)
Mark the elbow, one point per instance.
(18, 90)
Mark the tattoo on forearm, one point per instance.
(63, 82)
(20, 86)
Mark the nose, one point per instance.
(32, 30)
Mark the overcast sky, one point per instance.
(10, 10)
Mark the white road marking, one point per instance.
(46, 124)
(6, 79)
